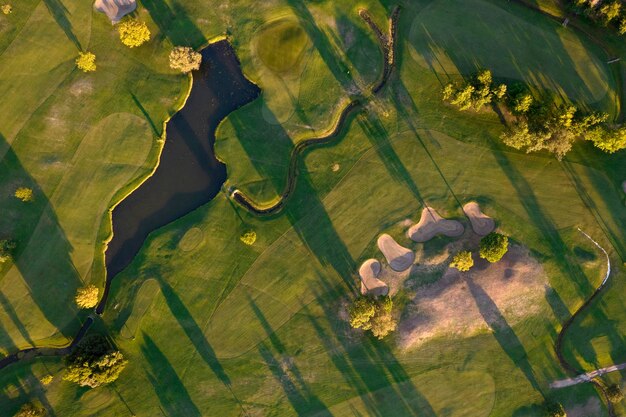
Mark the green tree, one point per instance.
(86, 62)
(46, 379)
(94, 362)
(133, 32)
(521, 103)
(7, 247)
(185, 59)
(494, 246)
(361, 311)
(372, 314)
(448, 91)
(25, 194)
(31, 410)
(462, 261)
(87, 297)
(607, 140)
(609, 11)
(462, 98)
(484, 78)
(500, 91)
(554, 410)
(614, 393)
(622, 26)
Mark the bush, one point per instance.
(248, 237)
(372, 314)
(185, 59)
(94, 362)
(31, 410)
(25, 194)
(462, 261)
(46, 379)
(87, 297)
(6, 250)
(554, 410)
(86, 62)
(133, 32)
(6, 9)
(493, 247)
(614, 393)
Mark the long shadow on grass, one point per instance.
(366, 364)
(502, 332)
(42, 256)
(174, 23)
(168, 387)
(59, 13)
(286, 373)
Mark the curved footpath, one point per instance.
(387, 44)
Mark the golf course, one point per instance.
(231, 216)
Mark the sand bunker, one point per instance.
(490, 298)
(370, 285)
(398, 257)
(432, 224)
(481, 223)
(115, 9)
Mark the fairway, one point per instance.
(212, 325)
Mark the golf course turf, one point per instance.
(212, 326)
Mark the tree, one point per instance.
(133, 32)
(521, 103)
(494, 246)
(448, 91)
(607, 140)
(94, 362)
(86, 62)
(6, 9)
(614, 393)
(46, 379)
(609, 11)
(361, 311)
(87, 297)
(7, 247)
(185, 59)
(554, 410)
(372, 314)
(462, 98)
(248, 237)
(462, 261)
(622, 26)
(500, 91)
(31, 410)
(25, 194)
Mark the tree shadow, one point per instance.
(42, 256)
(285, 370)
(59, 12)
(145, 113)
(503, 333)
(174, 23)
(168, 387)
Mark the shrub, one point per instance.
(86, 62)
(25, 194)
(94, 362)
(248, 237)
(7, 247)
(30, 410)
(6, 9)
(494, 246)
(133, 32)
(462, 261)
(372, 314)
(554, 410)
(46, 379)
(87, 297)
(614, 393)
(185, 59)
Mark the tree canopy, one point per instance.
(614, 393)
(373, 314)
(25, 194)
(87, 297)
(494, 246)
(462, 261)
(86, 62)
(248, 237)
(185, 59)
(7, 247)
(31, 410)
(94, 362)
(133, 32)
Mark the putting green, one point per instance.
(462, 36)
(281, 45)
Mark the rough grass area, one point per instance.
(281, 45)
(212, 326)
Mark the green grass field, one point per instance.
(212, 326)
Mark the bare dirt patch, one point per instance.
(398, 257)
(432, 224)
(481, 223)
(370, 284)
(488, 298)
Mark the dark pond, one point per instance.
(188, 175)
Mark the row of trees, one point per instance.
(607, 13)
(373, 314)
(537, 124)
(492, 248)
(134, 33)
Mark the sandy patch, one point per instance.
(432, 224)
(490, 297)
(481, 223)
(335, 167)
(370, 284)
(80, 87)
(115, 9)
(591, 408)
(398, 257)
